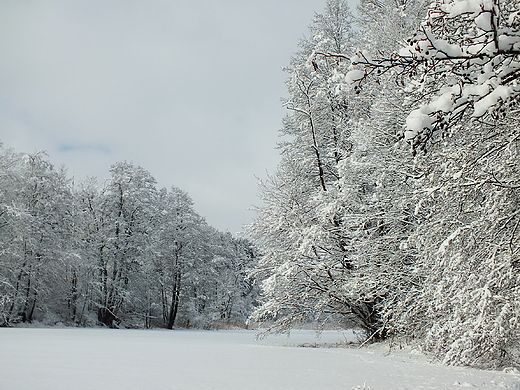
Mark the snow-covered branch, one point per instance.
(463, 61)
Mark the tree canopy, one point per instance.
(122, 254)
(394, 208)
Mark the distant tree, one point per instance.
(176, 247)
(36, 218)
(123, 254)
(126, 215)
(8, 231)
(229, 294)
(89, 241)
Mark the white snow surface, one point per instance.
(77, 359)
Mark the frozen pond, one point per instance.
(80, 359)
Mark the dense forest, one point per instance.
(395, 206)
(124, 254)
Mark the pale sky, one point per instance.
(188, 89)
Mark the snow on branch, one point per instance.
(465, 59)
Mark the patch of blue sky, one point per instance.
(88, 148)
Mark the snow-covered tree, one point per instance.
(236, 293)
(175, 247)
(317, 205)
(334, 214)
(124, 253)
(467, 308)
(459, 76)
(463, 60)
(125, 217)
(87, 238)
(8, 231)
(36, 219)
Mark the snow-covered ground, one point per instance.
(77, 359)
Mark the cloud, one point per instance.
(190, 90)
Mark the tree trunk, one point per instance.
(72, 301)
(175, 300)
(107, 317)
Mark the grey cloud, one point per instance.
(190, 90)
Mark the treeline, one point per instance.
(395, 207)
(124, 253)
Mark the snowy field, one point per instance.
(78, 359)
